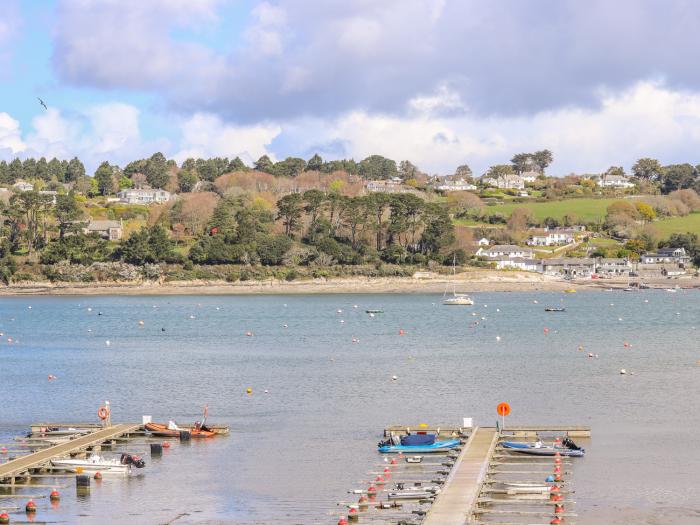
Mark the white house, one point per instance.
(134, 196)
(386, 186)
(50, 193)
(505, 250)
(553, 237)
(483, 241)
(569, 267)
(666, 255)
(510, 182)
(455, 185)
(21, 185)
(612, 266)
(614, 181)
(529, 176)
(517, 263)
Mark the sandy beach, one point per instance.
(471, 281)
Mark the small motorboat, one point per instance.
(96, 463)
(416, 444)
(554, 309)
(199, 430)
(412, 494)
(567, 448)
(374, 311)
(414, 459)
(416, 491)
(527, 488)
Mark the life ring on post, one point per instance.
(103, 413)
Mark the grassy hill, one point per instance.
(587, 210)
(689, 223)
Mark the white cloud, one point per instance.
(649, 119)
(114, 125)
(205, 135)
(10, 135)
(646, 120)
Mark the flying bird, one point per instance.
(42, 103)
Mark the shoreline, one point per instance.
(467, 282)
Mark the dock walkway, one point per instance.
(454, 504)
(21, 465)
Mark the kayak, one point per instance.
(160, 430)
(532, 450)
(438, 446)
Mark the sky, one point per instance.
(440, 83)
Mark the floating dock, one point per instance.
(480, 484)
(21, 466)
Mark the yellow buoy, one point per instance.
(249, 390)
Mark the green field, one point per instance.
(587, 210)
(689, 223)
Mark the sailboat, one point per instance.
(457, 299)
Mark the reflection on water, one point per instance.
(295, 450)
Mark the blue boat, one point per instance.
(416, 444)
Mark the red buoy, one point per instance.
(558, 508)
(3, 450)
(166, 444)
(557, 468)
(557, 477)
(30, 506)
(353, 515)
(393, 461)
(342, 521)
(555, 488)
(402, 332)
(4, 518)
(379, 480)
(372, 490)
(555, 521)
(98, 475)
(54, 496)
(557, 461)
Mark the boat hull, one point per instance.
(160, 430)
(438, 446)
(104, 467)
(530, 450)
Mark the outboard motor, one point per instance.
(569, 443)
(136, 461)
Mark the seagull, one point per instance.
(42, 103)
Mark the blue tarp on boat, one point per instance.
(414, 440)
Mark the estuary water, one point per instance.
(320, 401)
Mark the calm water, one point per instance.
(294, 451)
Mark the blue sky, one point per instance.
(440, 83)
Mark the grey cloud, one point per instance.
(305, 58)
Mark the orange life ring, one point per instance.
(103, 413)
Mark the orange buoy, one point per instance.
(546, 330)
(103, 413)
(30, 506)
(166, 444)
(402, 332)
